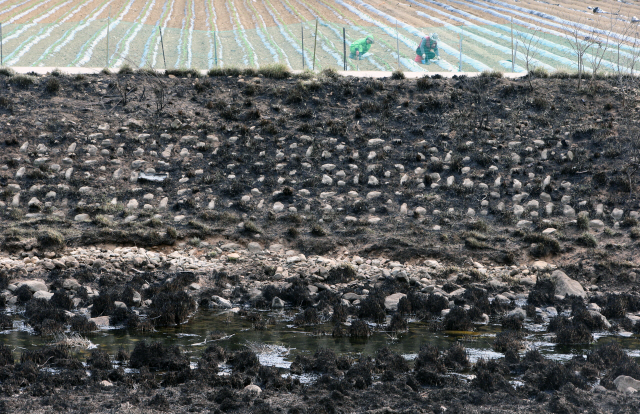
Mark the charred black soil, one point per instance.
(451, 202)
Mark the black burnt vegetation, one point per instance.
(260, 126)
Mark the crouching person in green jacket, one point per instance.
(360, 47)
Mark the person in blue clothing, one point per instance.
(427, 50)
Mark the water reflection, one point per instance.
(233, 332)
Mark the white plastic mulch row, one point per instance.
(506, 38)
(486, 42)
(157, 49)
(245, 61)
(266, 39)
(479, 66)
(69, 35)
(569, 23)
(23, 28)
(181, 35)
(391, 32)
(350, 23)
(243, 34)
(135, 29)
(283, 31)
(34, 40)
(323, 39)
(153, 35)
(489, 9)
(83, 58)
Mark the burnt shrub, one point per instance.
(23, 293)
(61, 299)
(324, 361)
(457, 320)
(339, 314)
(397, 324)
(296, 294)
(171, 308)
(81, 324)
(617, 305)
(387, 360)
(43, 317)
(6, 356)
(592, 321)
(55, 355)
(6, 322)
(542, 293)
(102, 305)
(506, 340)
(360, 375)
(211, 357)
(244, 361)
(359, 329)
(308, 317)
(158, 357)
(513, 322)
(490, 376)
(456, 358)
(372, 307)
(429, 358)
(554, 376)
(341, 274)
(99, 360)
(569, 331)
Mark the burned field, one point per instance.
(136, 200)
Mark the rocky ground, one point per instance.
(135, 199)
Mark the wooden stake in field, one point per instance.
(460, 64)
(513, 55)
(162, 45)
(398, 44)
(315, 41)
(302, 31)
(344, 45)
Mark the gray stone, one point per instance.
(568, 211)
(35, 285)
(100, 321)
(567, 286)
(391, 301)
(617, 214)
(277, 303)
(41, 294)
(252, 390)
(596, 224)
(222, 302)
(71, 284)
(82, 217)
(627, 384)
(519, 312)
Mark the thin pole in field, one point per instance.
(162, 45)
(302, 31)
(513, 55)
(215, 49)
(315, 41)
(344, 45)
(397, 44)
(460, 64)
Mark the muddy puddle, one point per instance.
(279, 343)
